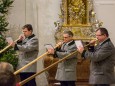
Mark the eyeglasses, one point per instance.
(66, 37)
(100, 35)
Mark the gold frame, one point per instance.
(83, 30)
(71, 13)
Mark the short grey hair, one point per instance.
(68, 32)
(6, 66)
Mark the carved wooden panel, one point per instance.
(82, 69)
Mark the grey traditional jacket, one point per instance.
(66, 70)
(102, 63)
(28, 51)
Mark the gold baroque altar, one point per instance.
(79, 17)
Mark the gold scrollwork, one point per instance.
(73, 12)
(75, 16)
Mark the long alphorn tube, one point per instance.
(17, 40)
(33, 76)
(47, 68)
(7, 47)
(32, 62)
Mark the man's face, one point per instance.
(26, 32)
(67, 38)
(100, 37)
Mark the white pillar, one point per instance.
(45, 13)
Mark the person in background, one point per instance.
(6, 66)
(102, 59)
(7, 78)
(66, 71)
(27, 45)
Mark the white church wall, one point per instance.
(105, 13)
(16, 18)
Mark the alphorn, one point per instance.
(32, 62)
(47, 68)
(33, 76)
(7, 47)
(17, 40)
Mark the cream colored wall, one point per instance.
(16, 18)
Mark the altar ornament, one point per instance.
(78, 16)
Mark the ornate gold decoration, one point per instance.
(76, 11)
(79, 17)
(73, 12)
(84, 33)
